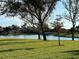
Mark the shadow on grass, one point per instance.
(11, 43)
(71, 58)
(11, 39)
(74, 52)
(10, 50)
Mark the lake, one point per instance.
(49, 37)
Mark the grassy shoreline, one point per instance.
(61, 35)
(38, 49)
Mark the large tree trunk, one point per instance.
(39, 36)
(43, 33)
(73, 32)
(72, 36)
(59, 38)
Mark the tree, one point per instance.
(33, 23)
(38, 9)
(45, 28)
(57, 27)
(14, 27)
(1, 29)
(7, 29)
(72, 14)
(77, 29)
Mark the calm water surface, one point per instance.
(49, 37)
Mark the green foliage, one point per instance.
(38, 10)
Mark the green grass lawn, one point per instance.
(38, 49)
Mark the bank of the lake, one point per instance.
(35, 37)
(67, 35)
(38, 49)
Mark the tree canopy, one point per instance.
(39, 10)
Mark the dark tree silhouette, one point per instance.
(72, 13)
(77, 29)
(40, 10)
(1, 29)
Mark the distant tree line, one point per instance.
(14, 29)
